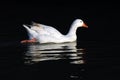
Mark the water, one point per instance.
(94, 59)
(47, 52)
(85, 60)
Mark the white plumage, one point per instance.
(47, 34)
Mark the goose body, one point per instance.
(47, 34)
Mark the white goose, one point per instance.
(46, 34)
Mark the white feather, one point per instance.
(48, 34)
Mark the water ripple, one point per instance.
(46, 52)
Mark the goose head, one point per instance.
(79, 23)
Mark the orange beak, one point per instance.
(84, 25)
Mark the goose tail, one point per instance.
(31, 33)
(26, 27)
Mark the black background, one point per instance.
(101, 17)
(102, 58)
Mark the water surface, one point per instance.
(86, 60)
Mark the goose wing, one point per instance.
(47, 30)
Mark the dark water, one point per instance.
(85, 60)
(96, 55)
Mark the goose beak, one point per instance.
(84, 25)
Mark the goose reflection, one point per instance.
(46, 52)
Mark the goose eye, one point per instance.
(80, 21)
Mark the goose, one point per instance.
(47, 34)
